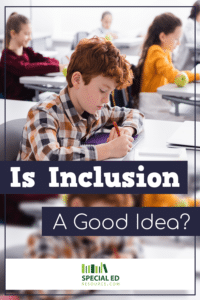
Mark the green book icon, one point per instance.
(83, 268)
(92, 268)
(105, 268)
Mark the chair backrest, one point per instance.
(78, 36)
(13, 137)
(128, 97)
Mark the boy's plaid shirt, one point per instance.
(73, 247)
(54, 130)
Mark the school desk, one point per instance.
(51, 54)
(156, 134)
(128, 42)
(57, 82)
(179, 95)
(44, 83)
(196, 69)
(193, 49)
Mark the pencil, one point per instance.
(117, 128)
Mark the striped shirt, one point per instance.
(55, 130)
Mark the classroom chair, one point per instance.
(128, 97)
(9, 147)
(77, 37)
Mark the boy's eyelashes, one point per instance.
(103, 92)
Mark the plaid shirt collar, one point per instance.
(71, 112)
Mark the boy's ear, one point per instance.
(77, 202)
(76, 79)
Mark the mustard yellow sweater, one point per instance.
(158, 70)
(167, 200)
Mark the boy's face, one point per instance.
(93, 96)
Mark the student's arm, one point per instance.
(37, 57)
(20, 67)
(115, 148)
(165, 67)
(124, 117)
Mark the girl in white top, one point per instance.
(184, 59)
(106, 21)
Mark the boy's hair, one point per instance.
(14, 22)
(195, 10)
(97, 56)
(118, 200)
(105, 13)
(167, 23)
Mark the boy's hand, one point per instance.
(123, 130)
(120, 146)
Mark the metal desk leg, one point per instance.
(37, 95)
(176, 109)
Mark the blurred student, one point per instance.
(155, 67)
(20, 60)
(105, 29)
(184, 58)
(57, 129)
(73, 247)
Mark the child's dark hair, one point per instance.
(98, 56)
(195, 10)
(14, 22)
(105, 13)
(118, 200)
(167, 23)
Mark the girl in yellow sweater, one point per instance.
(155, 66)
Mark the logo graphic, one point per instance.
(94, 269)
(98, 275)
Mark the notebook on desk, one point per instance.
(184, 136)
(101, 138)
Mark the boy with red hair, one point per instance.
(56, 129)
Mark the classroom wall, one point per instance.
(126, 20)
(66, 21)
(57, 20)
